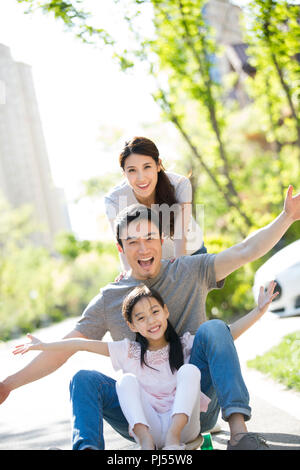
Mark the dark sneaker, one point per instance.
(249, 441)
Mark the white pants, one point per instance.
(136, 409)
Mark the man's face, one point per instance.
(142, 248)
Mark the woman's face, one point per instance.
(141, 172)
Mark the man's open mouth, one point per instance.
(146, 262)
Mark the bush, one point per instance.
(282, 362)
(37, 288)
(235, 298)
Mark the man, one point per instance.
(184, 285)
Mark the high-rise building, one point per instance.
(25, 175)
(225, 18)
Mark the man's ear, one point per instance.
(120, 249)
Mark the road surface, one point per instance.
(37, 416)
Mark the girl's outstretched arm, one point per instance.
(71, 345)
(264, 300)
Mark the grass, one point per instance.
(282, 362)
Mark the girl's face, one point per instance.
(149, 319)
(141, 172)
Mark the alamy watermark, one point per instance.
(177, 221)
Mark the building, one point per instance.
(25, 175)
(225, 18)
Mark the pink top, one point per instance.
(160, 384)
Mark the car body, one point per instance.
(284, 268)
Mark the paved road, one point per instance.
(37, 416)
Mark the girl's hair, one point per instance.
(176, 359)
(165, 191)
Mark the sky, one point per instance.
(82, 95)
(83, 100)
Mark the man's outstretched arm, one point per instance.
(41, 366)
(261, 241)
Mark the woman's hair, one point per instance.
(165, 191)
(176, 359)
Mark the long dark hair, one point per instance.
(176, 359)
(165, 191)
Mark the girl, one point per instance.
(148, 183)
(159, 392)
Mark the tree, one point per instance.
(37, 287)
(242, 183)
(274, 35)
(183, 47)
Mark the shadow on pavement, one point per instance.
(275, 441)
(37, 438)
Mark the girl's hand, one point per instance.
(35, 344)
(266, 296)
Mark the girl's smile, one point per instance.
(150, 319)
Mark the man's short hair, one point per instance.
(134, 212)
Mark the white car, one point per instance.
(284, 268)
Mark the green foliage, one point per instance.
(235, 298)
(273, 33)
(73, 16)
(36, 287)
(242, 159)
(69, 247)
(16, 226)
(282, 362)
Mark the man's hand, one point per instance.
(292, 204)
(4, 392)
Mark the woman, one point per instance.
(169, 193)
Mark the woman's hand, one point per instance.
(35, 344)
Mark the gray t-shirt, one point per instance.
(183, 285)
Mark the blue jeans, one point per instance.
(94, 397)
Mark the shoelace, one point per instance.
(258, 438)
